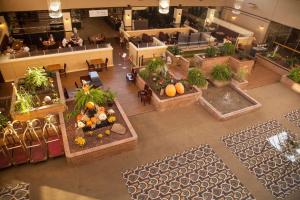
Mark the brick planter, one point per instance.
(219, 83)
(99, 151)
(290, 83)
(239, 84)
(171, 103)
(220, 116)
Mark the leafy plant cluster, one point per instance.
(211, 51)
(227, 49)
(36, 78)
(295, 75)
(24, 102)
(3, 121)
(195, 77)
(221, 72)
(175, 50)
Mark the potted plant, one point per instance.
(3, 121)
(221, 75)
(36, 78)
(211, 52)
(227, 49)
(144, 73)
(174, 50)
(195, 77)
(155, 65)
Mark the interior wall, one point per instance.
(258, 26)
(27, 5)
(286, 12)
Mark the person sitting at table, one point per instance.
(9, 50)
(100, 38)
(80, 42)
(51, 39)
(64, 42)
(26, 48)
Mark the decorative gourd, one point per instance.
(94, 120)
(90, 105)
(179, 88)
(170, 90)
(89, 123)
(79, 117)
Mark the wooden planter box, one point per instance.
(219, 83)
(285, 80)
(171, 103)
(220, 116)
(273, 66)
(41, 111)
(100, 151)
(239, 84)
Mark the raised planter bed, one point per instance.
(162, 103)
(42, 111)
(219, 83)
(233, 103)
(270, 64)
(94, 149)
(241, 84)
(285, 80)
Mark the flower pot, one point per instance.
(218, 83)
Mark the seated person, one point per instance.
(51, 39)
(9, 50)
(80, 42)
(26, 48)
(64, 42)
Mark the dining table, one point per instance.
(97, 63)
(53, 67)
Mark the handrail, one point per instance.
(287, 47)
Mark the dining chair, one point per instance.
(91, 67)
(76, 85)
(104, 65)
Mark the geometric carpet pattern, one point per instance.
(294, 117)
(279, 175)
(195, 174)
(18, 191)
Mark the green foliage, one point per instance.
(3, 121)
(241, 74)
(95, 95)
(110, 96)
(295, 74)
(24, 102)
(211, 51)
(195, 77)
(174, 50)
(155, 65)
(221, 72)
(144, 74)
(227, 49)
(36, 78)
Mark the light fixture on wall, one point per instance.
(237, 5)
(261, 27)
(233, 17)
(164, 6)
(54, 7)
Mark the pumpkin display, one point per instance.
(89, 123)
(94, 120)
(79, 117)
(179, 88)
(170, 90)
(90, 105)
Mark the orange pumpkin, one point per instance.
(89, 123)
(101, 109)
(79, 117)
(94, 120)
(170, 90)
(90, 105)
(179, 88)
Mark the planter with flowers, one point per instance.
(96, 126)
(167, 93)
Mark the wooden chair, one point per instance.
(146, 97)
(140, 92)
(104, 65)
(91, 67)
(63, 72)
(76, 85)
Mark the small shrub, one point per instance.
(295, 74)
(24, 102)
(144, 74)
(195, 77)
(36, 78)
(174, 50)
(221, 72)
(211, 52)
(291, 61)
(155, 65)
(3, 121)
(227, 49)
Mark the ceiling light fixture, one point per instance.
(237, 5)
(54, 7)
(164, 6)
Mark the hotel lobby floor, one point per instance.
(160, 134)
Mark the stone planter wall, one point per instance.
(171, 103)
(236, 64)
(102, 150)
(239, 84)
(290, 83)
(220, 116)
(270, 65)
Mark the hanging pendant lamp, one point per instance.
(164, 6)
(54, 7)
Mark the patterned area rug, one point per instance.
(192, 175)
(279, 175)
(18, 191)
(294, 117)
